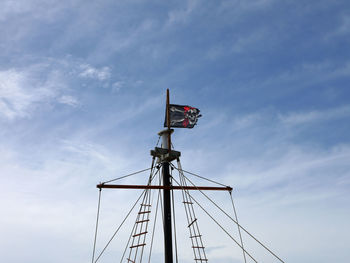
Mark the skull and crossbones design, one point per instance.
(187, 116)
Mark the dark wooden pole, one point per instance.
(168, 239)
(168, 118)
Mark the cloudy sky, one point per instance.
(82, 94)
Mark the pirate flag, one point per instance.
(182, 116)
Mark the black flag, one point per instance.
(182, 116)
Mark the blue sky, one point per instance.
(82, 92)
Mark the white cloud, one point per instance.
(55, 199)
(249, 41)
(345, 26)
(342, 71)
(257, 4)
(69, 100)
(182, 15)
(19, 93)
(288, 185)
(115, 42)
(89, 71)
(258, 156)
(38, 9)
(315, 116)
(242, 7)
(342, 29)
(277, 165)
(243, 122)
(117, 86)
(89, 151)
(9, 8)
(303, 76)
(23, 90)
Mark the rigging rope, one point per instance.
(110, 240)
(97, 219)
(127, 175)
(156, 212)
(188, 214)
(140, 230)
(154, 227)
(154, 224)
(144, 237)
(174, 219)
(145, 200)
(269, 250)
(192, 198)
(161, 197)
(127, 244)
(212, 181)
(239, 230)
(192, 220)
(152, 176)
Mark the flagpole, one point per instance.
(168, 246)
(168, 119)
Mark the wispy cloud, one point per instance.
(117, 86)
(89, 71)
(246, 121)
(342, 29)
(20, 93)
(296, 118)
(38, 205)
(249, 41)
(260, 158)
(69, 100)
(33, 9)
(88, 151)
(24, 90)
(243, 7)
(116, 42)
(345, 26)
(181, 15)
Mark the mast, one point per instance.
(166, 144)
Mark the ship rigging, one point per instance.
(166, 176)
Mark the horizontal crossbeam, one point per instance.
(123, 186)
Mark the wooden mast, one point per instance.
(168, 118)
(168, 239)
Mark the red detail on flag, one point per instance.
(186, 108)
(185, 122)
